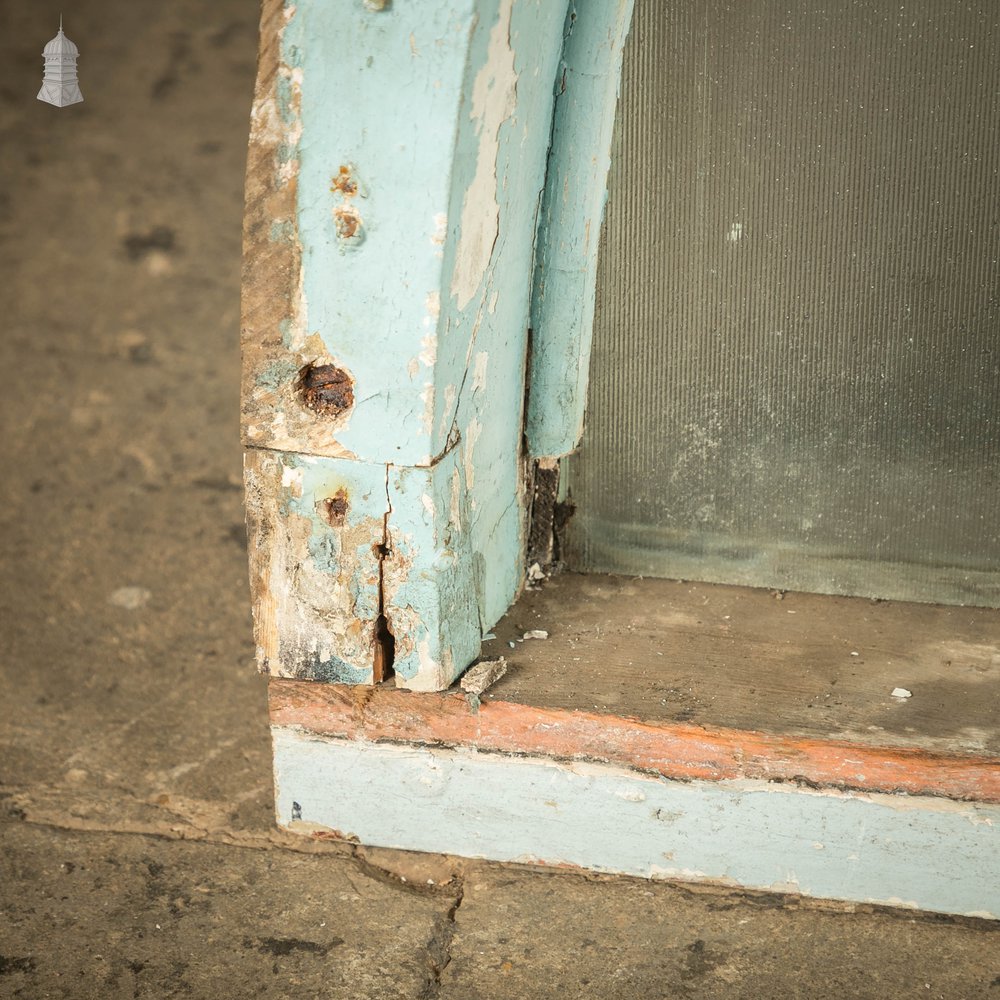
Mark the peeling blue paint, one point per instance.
(431, 594)
(492, 328)
(417, 282)
(396, 122)
(917, 852)
(562, 308)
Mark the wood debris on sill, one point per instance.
(478, 678)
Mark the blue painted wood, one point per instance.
(380, 111)
(489, 258)
(922, 852)
(562, 308)
(314, 572)
(413, 140)
(432, 593)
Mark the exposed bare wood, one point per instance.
(271, 251)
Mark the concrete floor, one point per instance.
(139, 856)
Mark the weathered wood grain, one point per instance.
(272, 254)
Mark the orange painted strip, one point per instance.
(675, 750)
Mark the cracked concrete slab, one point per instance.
(135, 769)
(523, 935)
(92, 915)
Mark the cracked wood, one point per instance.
(387, 334)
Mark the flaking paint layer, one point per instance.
(494, 95)
(752, 834)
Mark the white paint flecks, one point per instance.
(735, 233)
(428, 665)
(291, 479)
(432, 303)
(479, 370)
(455, 511)
(472, 433)
(450, 392)
(427, 398)
(428, 349)
(630, 794)
(130, 598)
(440, 232)
(494, 94)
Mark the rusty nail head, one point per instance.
(325, 389)
(335, 508)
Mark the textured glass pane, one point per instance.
(794, 380)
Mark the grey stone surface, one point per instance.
(525, 935)
(135, 780)
(93, 915)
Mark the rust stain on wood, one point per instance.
(676, 751)
(276, 345)
(347, 221)
(344, 182)
(335, 508)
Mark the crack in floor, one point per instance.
(20, 808)
(438, 948)
(387, 876)
(183, 825)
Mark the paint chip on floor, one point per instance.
(130, 597)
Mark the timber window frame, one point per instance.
(389, 458)
(386, 336)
